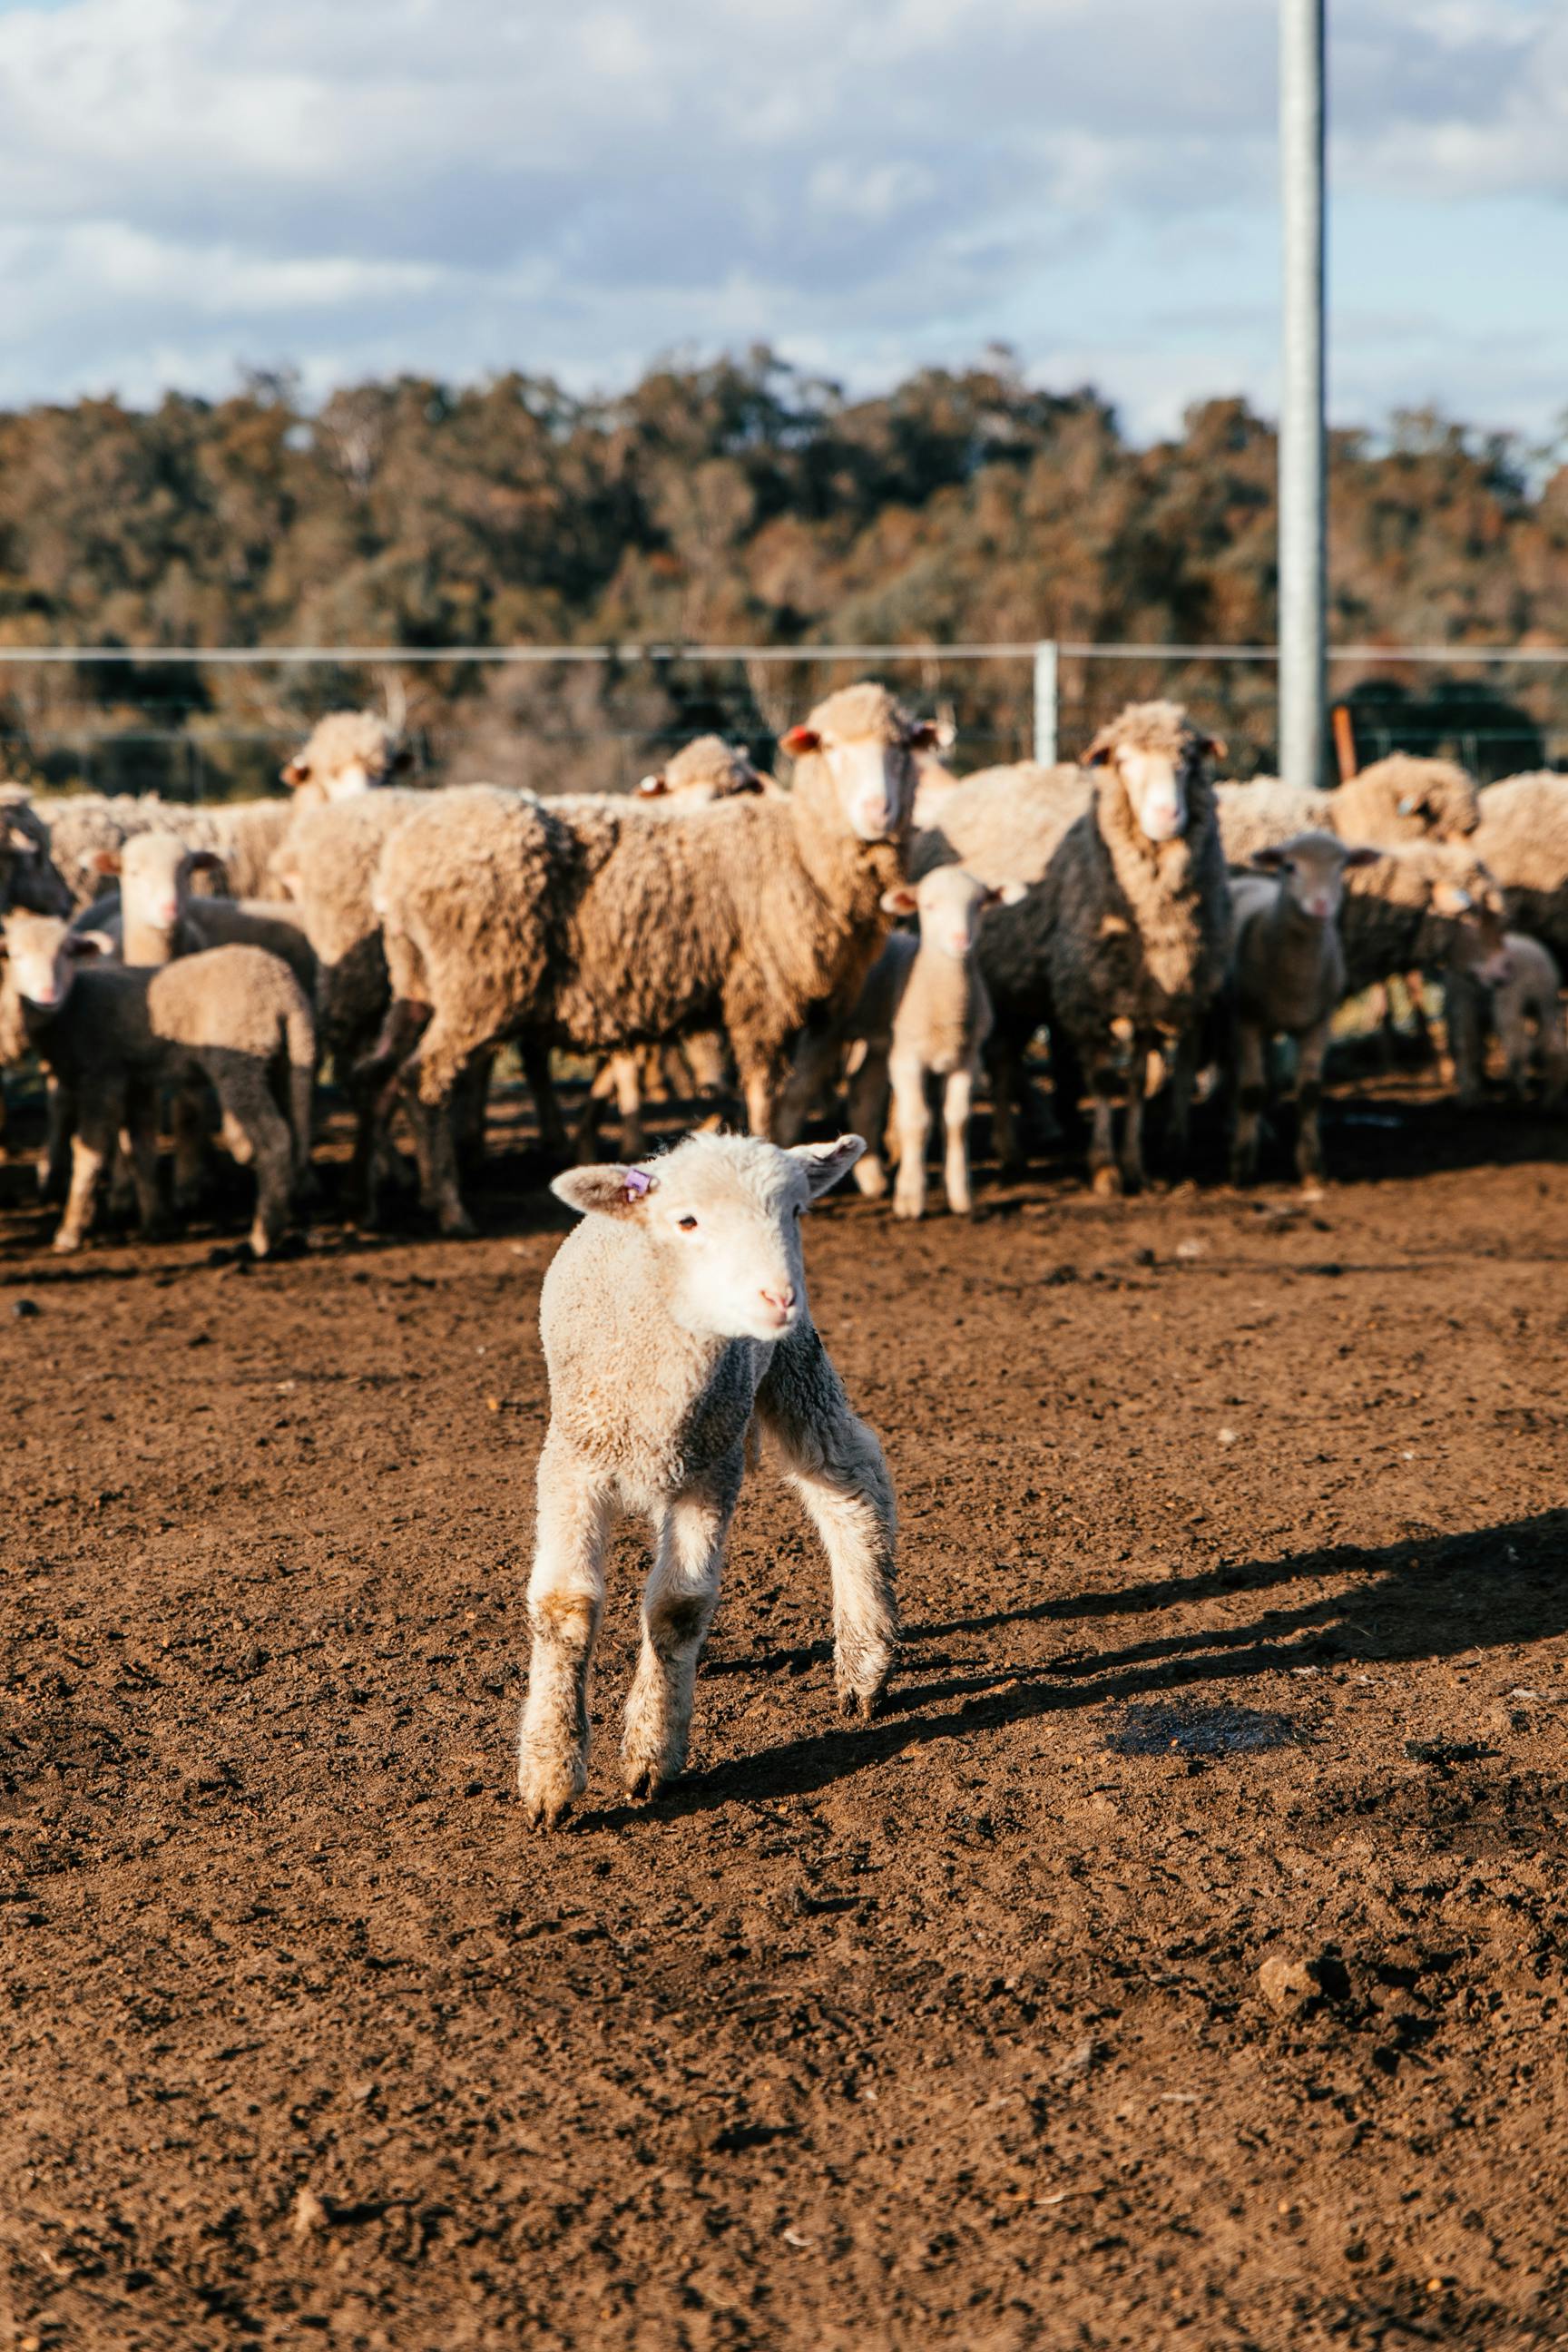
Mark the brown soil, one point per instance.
(1178, 1959)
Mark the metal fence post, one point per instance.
(1302, 518)
(1046, 702)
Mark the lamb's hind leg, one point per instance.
(566, 1596)
(837, 1467)
(677, 1607)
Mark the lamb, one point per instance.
(1399, 799)
(29, 878)
(1129, 928)
(923, 1014)
(1523, 839)
(586, 925)
(1288, 976)
(672, 1315)
(934, 779)
(158, 917)
(113, 1036)
(1518, 989)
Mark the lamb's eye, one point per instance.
(687, 1224)
(798, 1208)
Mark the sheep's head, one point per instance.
(155, 871)
(348, 752)
(708, 769)
(1312, 868)
(1157, 754)
(41, 956)
(866, 744)
(950, 903)
(29, 875)
(723, 1213)
(1411, 797)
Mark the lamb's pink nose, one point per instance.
(781, 1301)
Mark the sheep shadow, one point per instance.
(1419, 1599)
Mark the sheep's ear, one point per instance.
(104, 861)
(900, 901)
(1362, 856)
(922, 736)
(1268, 860)
(1006, 893)
(207, 861)
(83, 945)
(607, 1191)
(1212, 747)
(1449, 899)
(799, 741)
(824, 1163)
(1098, 751)
(295, 772)
(653, 788)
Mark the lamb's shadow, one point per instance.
(1426, 1595)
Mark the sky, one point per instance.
(576, 187)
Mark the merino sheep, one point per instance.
(348, 752)
(89, 827)
(1518, 990)
(1406, 797)
(670, 1316)
(588, 926)
(1288, 976)
(114, 1036)
(706, 768)
(1523, 839)
(1131, 924)
(29, 878)
(923, 1014)
(1404, 913)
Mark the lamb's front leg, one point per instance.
(911, 1117)
(566, 1595)
(1309, 1103)
(957, 1096)
(1104, 1174)
(837, 1467)
(679, 1602)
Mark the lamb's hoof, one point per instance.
(548, 1794)
(456, 1225)
(859, 1705)
(1106, 1183)
(643, 1780)
(66, 1243)
(904, 1207)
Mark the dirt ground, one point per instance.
(1178, 1959)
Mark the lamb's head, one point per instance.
(1411, 797)
(950, 903)
(155, 871)
(723, 1214)
(1464, 910)
(29, 875)
(866, 743)
(708, 769)
(1157, 754)
(1312, 869)
(348, 752)
(41, 955)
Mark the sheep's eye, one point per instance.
(687, 1224)
(798, 1208)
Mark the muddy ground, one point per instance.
(1179, 1959)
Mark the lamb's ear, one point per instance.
(294, 772)
(1362, 856)
(824, 1163)
(104, 861)
(1268, 860)
(1006, 893)
(609, 1189)
(798, 741)
(1098, 751)
(900, 901)
(652, 788)
(83, 945)
(922, 736)
(1212, 747)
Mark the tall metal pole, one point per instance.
(1302, 501)
(1046, 702)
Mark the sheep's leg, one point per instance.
(188, 1124)
(429, 1078)
(566, 1597)
(142, 1154)
(1005, 1068)
(677, 1607)
(469, 1103)
(246, 1101)
(627, 1073)
(55, 1166)
(1309, 1103)
(837, 1467)
(1250, 1096)
(761, 1093)
(1104, 1174)
(1132, 1170)
(815, 1053)
(868, 1116)
(534, 1055)
(91, 1146)
(705, 1059)
(911, 1115)
(957, 1096)
(1184, 1082)
(1464, 1022)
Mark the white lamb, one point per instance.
(924, 1012)
(673, 1313)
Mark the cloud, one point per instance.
(451, 185)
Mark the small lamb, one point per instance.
(1288, 975)
(1508, 984)
(673, 1313)
(924, 1012)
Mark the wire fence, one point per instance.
(216, 722)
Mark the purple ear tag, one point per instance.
(637, 1183)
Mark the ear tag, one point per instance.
(638, 1184)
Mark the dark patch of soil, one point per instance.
(1235, 1579)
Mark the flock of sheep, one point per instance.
(1162, 929)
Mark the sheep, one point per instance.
(159, 918)
(588, 926)
(1404, 913)
(1288, 975)
(1518, 989)
(113, 1036)
(670, 1316)
(924, 1012)
(89, 828)
(706, 768)
(1265, 813)
(1399, 799)
(934, 779)
(29, 877)
(1127, 933)
(347, 753)
(1524, 838)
